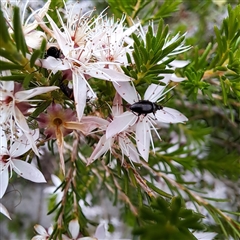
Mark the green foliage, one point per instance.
(18, 33)
(151, 56)
(224, 66)
(144, 9)
(208, 143)
(166, 221)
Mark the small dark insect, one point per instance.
(66, 90)
(143, 107)
(53, 52)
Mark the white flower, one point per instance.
(117, 141)
(80, 61)
(14, 102)
(143, 123)
(112, 40)
(74, 229)
(9, 160)
(43, 234)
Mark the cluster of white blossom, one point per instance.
(84, 47)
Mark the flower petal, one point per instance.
(56, 180)
(117, 107)
(28, 171)
(103, 123)
(179, 63)
(54, 64)
(100, 232)
(204, 235)
(34, 39)
(4, 181)
(143, 137)
(41, 230)
(24, 95)
(102, 147)
(127, 92)
(22, 144)
(154, 92)
(129, 149)
(108, 74)
(74, 228)
(22, 124)
(175, 78)
(170, 115)
(4, 211)
(27, 28)
(121, 123)
(79, 91)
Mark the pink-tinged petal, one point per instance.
(41, 230)
(143, 137)
(127, 92)
(21, 120)
(22, 124)
(86, 128)
(79, 91)
(102, 147)
(121, 123)
(22, 144)
(99, 121)
(28, 171)
(100, 232)
(117, 107)
(54, 64)
(170, 115)
(74, 228)
(24, 95)
(4, 211)
(4, 177)
(129, 149)
(154, 92)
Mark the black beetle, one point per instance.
(53, 52)
(143, 107)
